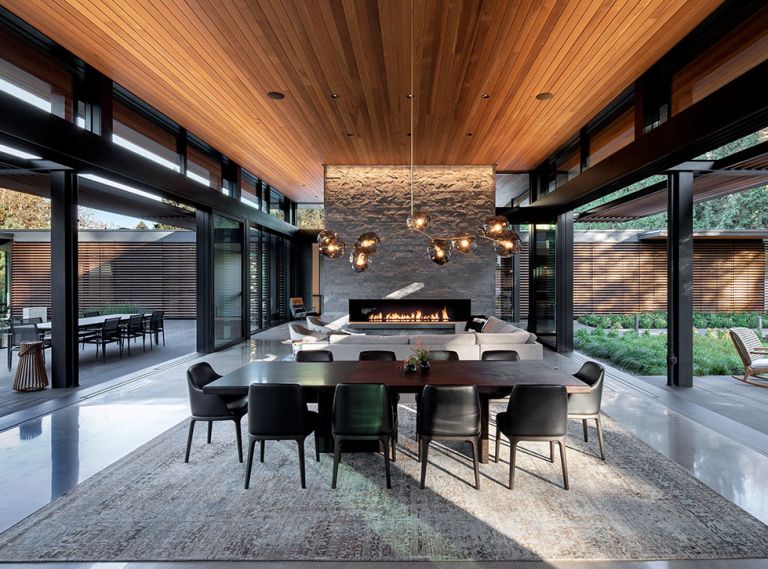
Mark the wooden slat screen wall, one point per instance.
(729, 277)
(505, 286)
(154, 275)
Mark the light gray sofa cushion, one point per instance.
(444, 339)
(521, 337)
(370, 339)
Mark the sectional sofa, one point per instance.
(470, 345)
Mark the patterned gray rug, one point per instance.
(150, 506)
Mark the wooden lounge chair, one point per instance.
(752, 354)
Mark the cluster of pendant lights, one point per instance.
(495, 229)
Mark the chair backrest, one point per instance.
(361, 409)
(111, 326)
(377, 356)
(296, 305)
(537, 410)
(25, 333)
(277, 410)
(33, 320)
(443, 355)
(593, 374)
(449, 410)
(300, 332)
(203, 404)
(745, 340)
(135, 323)
(314, 356)
(91, 314)
(156, 319)
(317, 325)
(501, 356)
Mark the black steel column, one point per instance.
(64, 302)
(516, 281)
(680, 279)
(204, 252)
(564, 282)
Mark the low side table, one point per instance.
(30, 373)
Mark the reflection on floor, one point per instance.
(50, 454)
(179, 341)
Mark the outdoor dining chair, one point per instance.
(753, 355)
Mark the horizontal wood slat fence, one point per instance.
(154, 275)
(629, 277)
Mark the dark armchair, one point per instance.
(210, 408)
(277, 413)
(314, 356)
(449, 412)
(534, 413)
(586, 406)
(362, 412)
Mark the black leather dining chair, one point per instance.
(362, 412)
(314, 356)
(534, 413)
(210, 407)
(586, 406)
(500, 356)
(278, 413)
(443, 356)
(134, 329)
(449, 413)
(377, 356)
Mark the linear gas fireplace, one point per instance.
(408, 313)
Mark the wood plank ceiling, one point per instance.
(208, 65)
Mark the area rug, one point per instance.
(150, 506)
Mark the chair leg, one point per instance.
(561, 442)
(392, 443)
(317, 447)
(512, 456)
(584, 426)
(336, 460)
(552, 451)
(261, 450)
(385, 440)
(498, 439)
(475, 444)
(210, 431)
(251, 443)
(189, 438)
(301, 463)
(239, 436)
(424, 453)
(600, 437)
(418, 450)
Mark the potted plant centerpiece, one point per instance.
(419, 359)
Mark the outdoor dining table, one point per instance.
(320, 380)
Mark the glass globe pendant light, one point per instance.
(495, 226)
(368, 243)
(507, 244)
(465, 244)
(418, 221)
(330, 244)
(440, 251)
(359, 261)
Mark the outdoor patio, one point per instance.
(179, 341)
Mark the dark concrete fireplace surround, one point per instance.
(376, 198)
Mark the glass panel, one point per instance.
(266, 253)
(142, 136)
(203, 168)
(742, 49)
(568, 166)
(227, 280)
(249, 190)
(4, 288)
(31, 77)
(543, 283)
(276, 204)
(612, 137)
(310, 216)
(254, 279)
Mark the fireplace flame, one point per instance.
(416, 316)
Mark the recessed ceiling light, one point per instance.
(545, 96)
(350, 134)
(485, 96)
(469, 134)
(276, 95)
(335, 95)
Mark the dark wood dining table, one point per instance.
(319, 381)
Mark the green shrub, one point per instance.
(646, 354)
(112, 309)
(659, 320)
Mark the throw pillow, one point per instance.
(475, 323)
(493, 326)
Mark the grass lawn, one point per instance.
(659, 320)
(643, 354)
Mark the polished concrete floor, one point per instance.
(52, 452)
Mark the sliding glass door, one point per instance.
(228, 297)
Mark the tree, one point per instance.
(141, 225)
(19, 210)
(310, 218)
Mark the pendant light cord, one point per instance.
(413, 133)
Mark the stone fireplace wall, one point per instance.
(376, 198)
